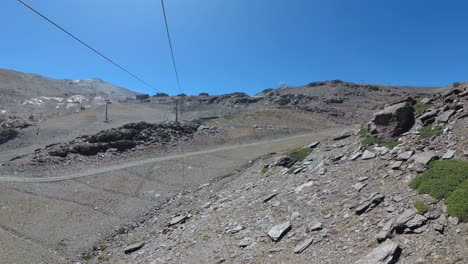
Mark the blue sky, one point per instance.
(224, 46)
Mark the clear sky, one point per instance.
(224, 46)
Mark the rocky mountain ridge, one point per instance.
(346, 199)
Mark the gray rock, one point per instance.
(362, 208)
(245, 242)
(445, 116)
(415, 222)
(314, 226)
(407, 215)
(303, 245)
(135, 247)
(358, 186)
(313, 144)
(343, 135)
(278, 231)
(453, 220)
(361, 179)
(355, 155)
(7, 134)
(405, 155)
(396, 165)
(367, 155)
(449, 154)
(385, 253)
(393, 121)
(420, 160)
(386, 230)
(177, 220)
(439, 228)
(434, 213)
(428, 117)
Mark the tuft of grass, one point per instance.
(103, 247)
(291, 170)
(430, 131)
(299, 154)
(364, 132)
(391, 144)
(419, 108)
(264, 169)
(457, 202)
(366, 138)
(446, 179)
(88, 257)
(369, 141)
(421, 207)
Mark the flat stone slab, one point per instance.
(303, 245)
(368, 155)
(358, 186)
(449, 154)
(405, 155)
(278, 231)
(385, 253)
(135, 247)
(445, 116)
(177, 220)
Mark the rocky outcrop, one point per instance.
(7, 134)
(393, 121)
(387, 252)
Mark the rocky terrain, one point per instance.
(346, 199)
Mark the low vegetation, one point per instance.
(421, 207)
(299, 154)
(368, 140)
(446, 179)
(420, 107)
(265, 169)
(430, 131)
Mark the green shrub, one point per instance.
(299, 154)
(421, 207)
(419, 107)
(441, 178)
(265, 168)
(457, 202)
(430, 131)
(446, 179)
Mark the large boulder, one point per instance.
(393, 121)
(7, 135)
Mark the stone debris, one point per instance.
(386, 230)
(396, 165)
(385, 253)
(278, 231)
(303, 245)
(449, 154)
(134, 247)
(405, 155)
(177, 220)
(358, 186)
(445, 116)
(367, 155)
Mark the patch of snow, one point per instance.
(2, 111)
(77, 99)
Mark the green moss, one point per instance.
(441, 178)
(87, 257)
(446, 179)
(265, 169)
(299, 154)
(430, 131)
(391, 144)
(421, 207)
(457, 202)
(419, 107)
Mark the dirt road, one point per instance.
(51, 220)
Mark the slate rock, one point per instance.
(449, 154)
(393, 121)
(445, 116)
(278, 231)
(303, 245)
(385, 253)
(135, 247)
(367, 155)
